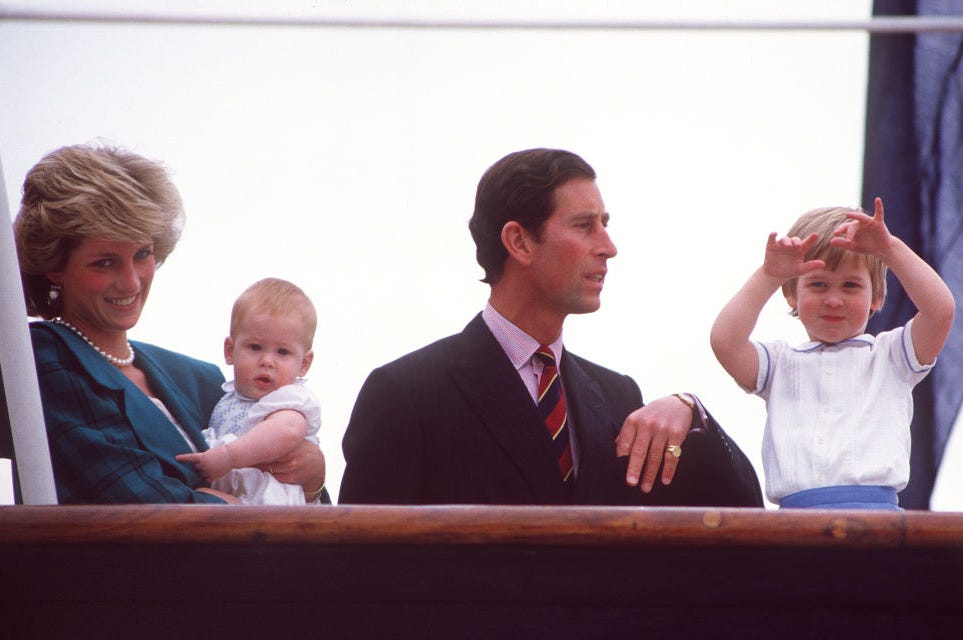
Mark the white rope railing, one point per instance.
(293, 16)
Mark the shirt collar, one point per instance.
(518, 345)
(856, 341)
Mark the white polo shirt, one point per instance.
(838, 414)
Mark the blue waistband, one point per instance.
(843, 497)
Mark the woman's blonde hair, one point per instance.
(824, 222)
(85, 191)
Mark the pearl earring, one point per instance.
(54, 292)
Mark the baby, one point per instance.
(266, 411)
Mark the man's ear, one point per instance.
(518, 242)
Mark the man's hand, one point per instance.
(645, 435)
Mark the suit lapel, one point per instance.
(498, 399)
(593, 425)
(143, 415)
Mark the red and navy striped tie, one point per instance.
(551, 406)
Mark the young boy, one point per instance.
(266, 411)
(839, 407)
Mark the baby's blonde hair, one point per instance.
(823, 222)
(276, 297)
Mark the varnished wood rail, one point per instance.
(208, 572)
(577, 526)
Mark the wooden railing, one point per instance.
(463, 571)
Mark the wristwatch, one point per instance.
(699, 418)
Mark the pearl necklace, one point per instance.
(120, 362)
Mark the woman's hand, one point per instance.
(304, 466)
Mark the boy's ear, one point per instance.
(518, 242)
(876, 305)
(229, 350)
(791, 301)
(306, 362)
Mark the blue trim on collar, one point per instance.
(860, 340)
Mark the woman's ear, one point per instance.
(518, 242)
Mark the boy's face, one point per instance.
(267, 353)
(835, 305)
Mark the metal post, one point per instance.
(19, 374)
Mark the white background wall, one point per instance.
(346, 161)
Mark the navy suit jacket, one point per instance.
(108, 442)
(452, 423)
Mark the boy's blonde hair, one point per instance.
(276, 297)
(823, 222)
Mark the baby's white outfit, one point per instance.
(234, 415)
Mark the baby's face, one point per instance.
(267, 353)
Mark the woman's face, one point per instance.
(104, 285)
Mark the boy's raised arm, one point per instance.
(733, 326)
(933, 300)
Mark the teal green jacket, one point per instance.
(108, 442)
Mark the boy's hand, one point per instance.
(785, 257)
(864, 234)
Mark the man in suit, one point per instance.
(502, 413)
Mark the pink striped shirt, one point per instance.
(520, 349)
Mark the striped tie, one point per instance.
(551, 406)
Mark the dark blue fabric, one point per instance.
(843, 497)
(914, 161)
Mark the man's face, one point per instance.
(569, 262)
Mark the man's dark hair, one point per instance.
(520, 187)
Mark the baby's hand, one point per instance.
(864, 234)
(785, 257)
(212, 464)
